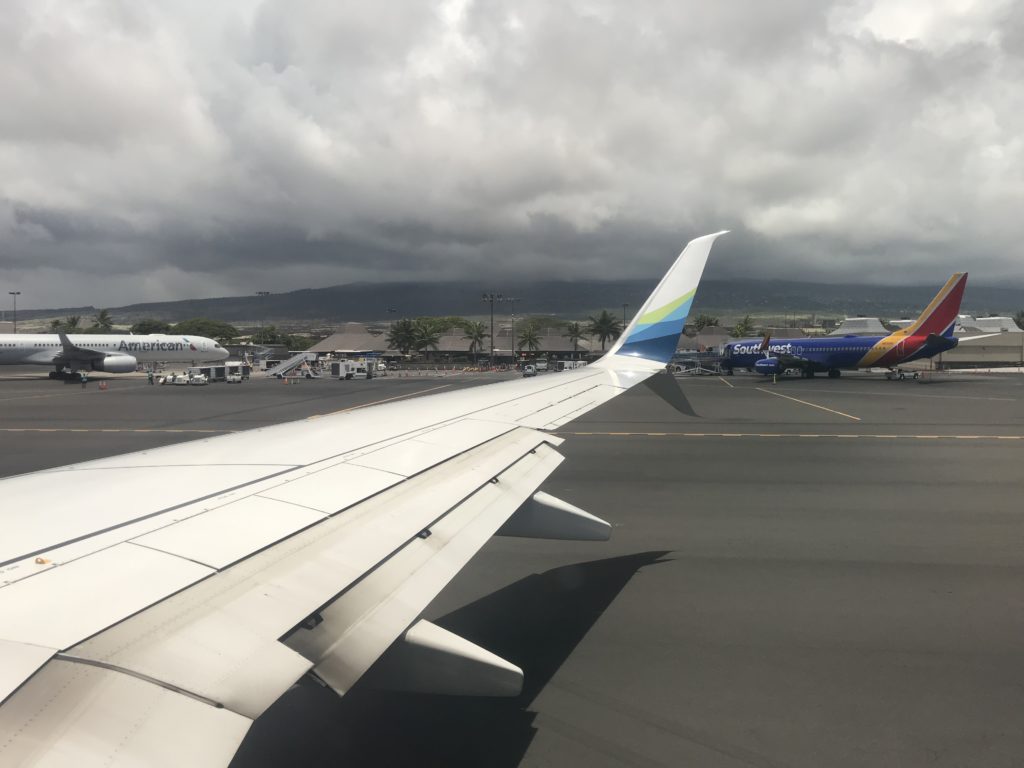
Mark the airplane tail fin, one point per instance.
(939, 317)
(654, 332)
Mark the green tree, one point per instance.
(426, 335)
(1018, 318)
(447, 323)
(703, 321)
(529, 338)
(475, 333)
(606, 327)
(298, 342)
(71, 324)
(102, 321)
(402, 335)
(150, 325)
(744, 327)
(269, 334)
(202, 326)
(574, 332)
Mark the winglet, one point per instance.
(655, 330)
(65, 342)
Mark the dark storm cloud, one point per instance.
(154, 151)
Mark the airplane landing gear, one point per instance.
(834, 373)
(807, 373)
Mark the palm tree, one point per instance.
(102, 321)
(402, 335)
(606, 327)
(529, 338)
(475, 333)
(426, 336)
(703, 321)
(744, 327)
(574, 332)
(70, 324)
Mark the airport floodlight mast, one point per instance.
(15, 294)
(491, 298)
(263, 309)
(624, 315)
(513, 299)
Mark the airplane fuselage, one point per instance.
(47, 349)
(836, 353)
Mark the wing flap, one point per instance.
(361, 624)
(59, 607)
(214, 638)
(85, 716)
(18, 662)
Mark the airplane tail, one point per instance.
(654, 332)
(939, 317)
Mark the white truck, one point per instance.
(353, 369)
(570, 365)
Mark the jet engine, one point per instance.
(768, 366)
(116, 364)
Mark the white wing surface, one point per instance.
(188, 587)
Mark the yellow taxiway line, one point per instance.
(804, 402)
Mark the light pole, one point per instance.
(513, 299)
(15, 294)
(263, 308)
(490, 298)
(624, 316)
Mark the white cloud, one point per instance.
(152, 150)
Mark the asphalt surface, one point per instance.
(809, 573)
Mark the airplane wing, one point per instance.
(70, 351)
(152, 605)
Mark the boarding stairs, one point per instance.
(293, 362)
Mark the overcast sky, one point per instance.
(162, 150)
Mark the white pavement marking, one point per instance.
(812, 405)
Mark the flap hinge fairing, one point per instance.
(430, 659)
(544, 516)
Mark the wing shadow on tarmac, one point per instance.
(535, 623)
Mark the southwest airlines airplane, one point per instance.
(108, 353)
(929, 335)
(188, 587)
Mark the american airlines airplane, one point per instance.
(188, 587)
(109, 353)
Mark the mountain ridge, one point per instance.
(570, 299)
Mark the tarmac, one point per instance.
(806, 573)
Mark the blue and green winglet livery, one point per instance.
(654, 332)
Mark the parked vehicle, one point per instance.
(529, 370)
(235, 377)
(569, 365)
